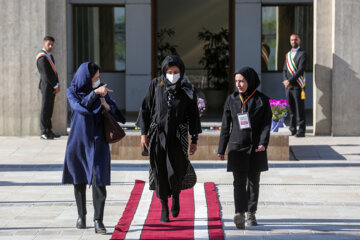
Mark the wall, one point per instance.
(323, 39)
(56, 27)
(138, 52)
(23, 26)
(346, 68)
(248, 34)
(22, 30)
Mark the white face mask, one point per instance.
(96, 84)
(173, 78)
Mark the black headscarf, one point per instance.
(183, 81)
(251, 77)
(171, 61)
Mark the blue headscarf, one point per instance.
(81, 82)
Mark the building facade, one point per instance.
(123, 37)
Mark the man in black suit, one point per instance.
(294, 82)
(49, 86)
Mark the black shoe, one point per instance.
(293, 133)
(51, 133)
(251, 219)
(81, 223)
(175, 208)
(300, 135)
(99, 227)
(46, 136)
(164, 211)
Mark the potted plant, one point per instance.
(279, 110)
(215, 61)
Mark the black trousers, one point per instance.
(296, 110)
(246, 191)
(99, 197)
(47, 108)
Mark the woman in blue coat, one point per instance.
(87, 157)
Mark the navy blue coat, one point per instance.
(87, 150)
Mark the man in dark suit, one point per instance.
(49, 86)
(294, 82)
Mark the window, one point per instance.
(185, 27)
(99, 35)
(278, 23)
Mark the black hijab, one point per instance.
(183, 82)
(171, 61)
(251, 77)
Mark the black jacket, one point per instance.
(48, 78)
(167, 114)
(243, 142)
(300, 62)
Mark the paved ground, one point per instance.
(314, 197)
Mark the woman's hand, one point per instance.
(221, 156)
(144, 142)
(260, 148)
(193, 148)
(103, 90)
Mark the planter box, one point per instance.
(129, 147)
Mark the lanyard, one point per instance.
(242, 100)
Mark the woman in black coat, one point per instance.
(168, 112)
(246, 130)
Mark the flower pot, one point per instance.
(275, 125)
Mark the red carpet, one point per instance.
(199, 217)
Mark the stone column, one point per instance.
(138, 52)
(56, 27)
(323, 42)
(346, 68)
(22, 30)
(248, 34)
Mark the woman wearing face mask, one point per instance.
(87, 157)
(246, 130)
(168, 112)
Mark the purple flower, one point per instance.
(279, 108)
(201, 106)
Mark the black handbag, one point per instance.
(112, 130)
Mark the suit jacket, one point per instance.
(243, 142)
(48, 78)
(300, 62)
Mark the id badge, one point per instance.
(244, 120)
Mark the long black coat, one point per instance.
(168, 129)
(243, 142)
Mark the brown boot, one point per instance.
(239, 220)
(251, 219)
